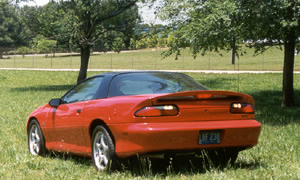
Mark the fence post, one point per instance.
(209, 60)
(155, 58)
(132, 59)
(263, 60)
(297, 57)
(111, 60)
(32, 58)
(70, 58)
(14, 57)
(51, 57)
(183, 57)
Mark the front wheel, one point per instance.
(103, 149)
(35, 139)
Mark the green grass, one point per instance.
(277, 156)
(152, 59)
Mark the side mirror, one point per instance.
(55, 102)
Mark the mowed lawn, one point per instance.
(277, 156)
(272, 59)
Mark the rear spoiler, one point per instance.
(204, 95)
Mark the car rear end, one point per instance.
(188, 122)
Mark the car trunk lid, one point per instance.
(204, 105)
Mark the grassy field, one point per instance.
(152, 59)
(277, 156)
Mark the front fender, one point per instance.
(41, 114)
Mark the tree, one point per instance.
(12, 31)
(212, 25)
(277, 25)
(88, 20)
(82, 23)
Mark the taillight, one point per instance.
(244, 108)
(153, 111)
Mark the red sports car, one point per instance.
(122, 114)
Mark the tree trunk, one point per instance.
(233, 51)
(233, 56)
(85, 57)
(288, 71)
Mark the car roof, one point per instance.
(129, 72)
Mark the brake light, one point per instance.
(204, 96)
(154, 111)
(242, 108)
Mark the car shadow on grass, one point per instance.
(43, 88)
(189, 166)
(146, 167)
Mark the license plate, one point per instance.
(209, 137)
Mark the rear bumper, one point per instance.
(141, 138)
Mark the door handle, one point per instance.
(79, 111)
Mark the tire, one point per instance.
(35, 139)
(223, 157)
(103, 149)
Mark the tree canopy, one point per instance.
(12, 30)
(213, 25)
(49, 21)
(83, 23)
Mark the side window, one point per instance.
(84, 91)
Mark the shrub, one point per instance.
(118, 44)
(45, 46)
(24, 50)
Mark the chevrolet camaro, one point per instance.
(123, 114)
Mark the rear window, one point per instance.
(152, 83)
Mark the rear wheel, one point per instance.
(223, 157)
(103, 149)
(35, 139)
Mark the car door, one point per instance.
(69, 116)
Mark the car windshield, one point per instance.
(152, 83)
